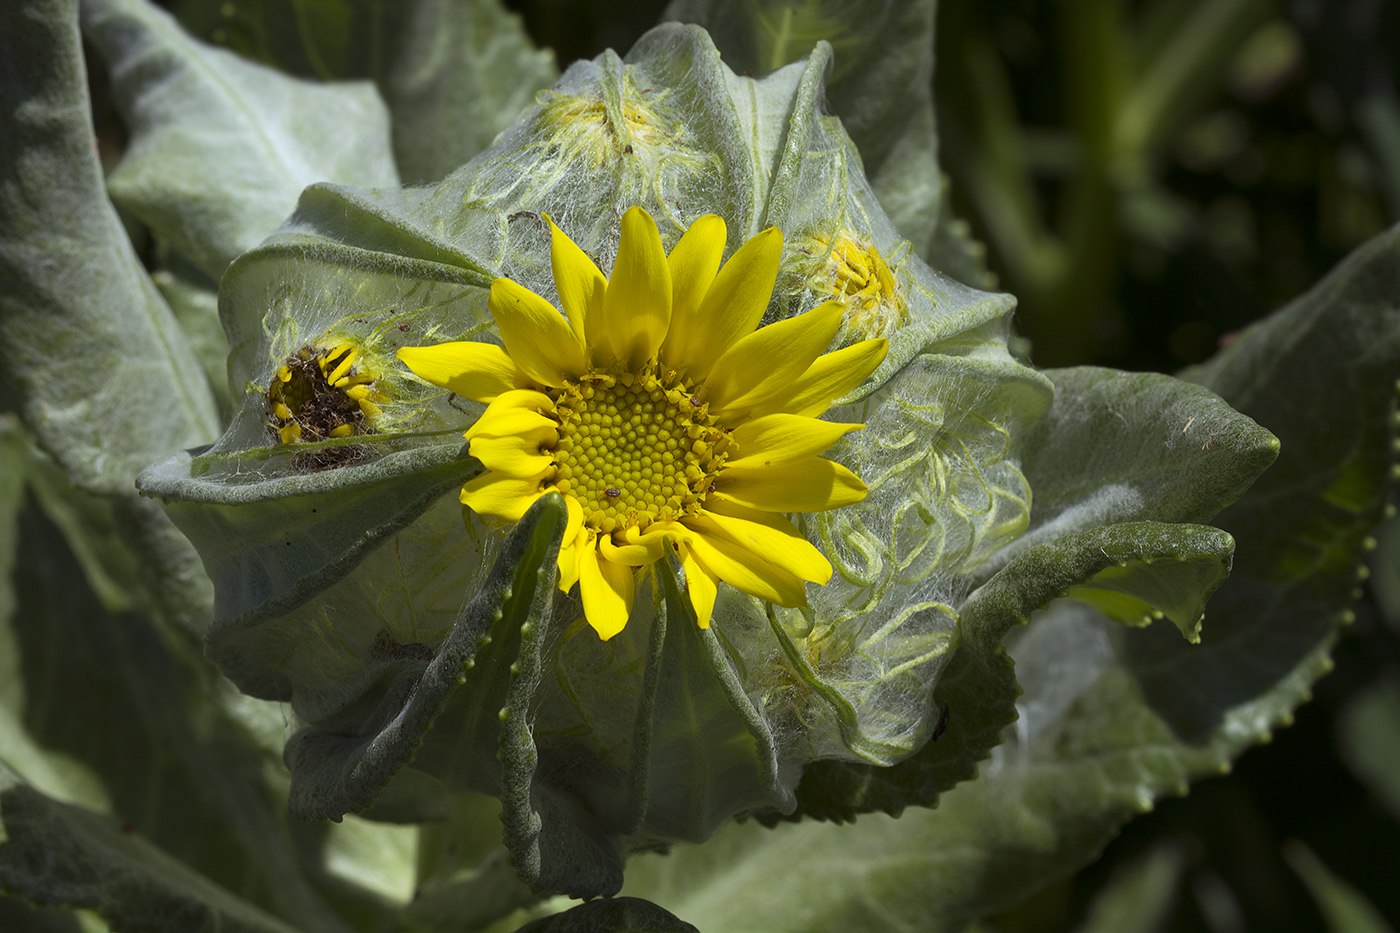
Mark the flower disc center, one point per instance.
(634, 449)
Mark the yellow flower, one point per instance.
(318, 393)
(854, 268)
(662, 415)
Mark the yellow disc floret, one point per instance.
(634, 449)
(852, 269)
(317, 394)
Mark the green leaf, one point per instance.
(106, 379)
(881, 85)
(692, 786)
(1122, 447)
(335, 770)
(465, 879)
(111, 713)
(270, 546)
(1345, 909)
(194, 299)
(1141, 894)
(55, 853)
(611, 915)
(552, 849)
(457, 74)
(220, 147)
(1153, 568)
(1368, 734)
(453, 74)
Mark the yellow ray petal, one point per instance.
(700, 586)
(694, 262)
(537, 337)
(478, 371)
(782, 547)
(607, 590)
(503, 497)
(505, 420)
(829, 377)
(580, 284)
(734, 304)
(346, 361)
(516, 455)
(769, 359)
(783, 438)
(576, 538)
(637, 306)
(637, 549)
(811, 485)
(573, 527)
(745, 572)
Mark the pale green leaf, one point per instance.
(109, 707)
(220, 147)
(457, 74)
(1155, 568)
(106, 378)
(454, 74)
(465, 880)
(194, 299)
(881, 85)
(336, 771)
(1118, 447)
(263, 562)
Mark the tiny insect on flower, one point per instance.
(663, 414)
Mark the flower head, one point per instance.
(318, 393)
(663, 416)
(852, 267)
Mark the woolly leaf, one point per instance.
(1140, 569)
(454, 74)
(881, 84)
(107, 707)
(106, 379)
(220, 147)
(1124, 447)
